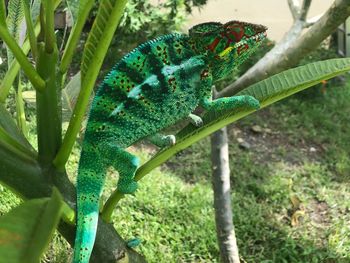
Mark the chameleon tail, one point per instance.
(90, 181)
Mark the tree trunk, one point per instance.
(222, 197)
(292, 48)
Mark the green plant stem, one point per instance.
(2, 13)
(29, 70)
(84, 10)
(88, 83)
(47, 106)
(30, 29)
(50, 38)
(109, 206)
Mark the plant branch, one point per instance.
(50, 38)
(294, 6)
(304, 9)
(29, 70)
(30, 29)
(48, 108)
(84, 10)
(2, 13)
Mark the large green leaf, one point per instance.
(26, 230)
(11, 136)
(267, 92)
(15, 25)
(100, 36)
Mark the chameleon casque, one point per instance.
(157, 84)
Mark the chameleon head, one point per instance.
(226, 45)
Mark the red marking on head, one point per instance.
(236, 30)
(213, 45)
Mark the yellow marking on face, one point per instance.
(225, 52)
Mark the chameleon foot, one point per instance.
(195, 120)
(162, 140)
(133, 242)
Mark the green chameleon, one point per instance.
(157, 84)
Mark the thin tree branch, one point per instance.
(294, 6)
(304, 9)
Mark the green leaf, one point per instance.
(11, 135)
(15, 25)
(35, 10)
(25, 231)
(267, 92)
(100, 36)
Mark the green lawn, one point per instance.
(297, 169)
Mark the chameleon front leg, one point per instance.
(206, 94)
(161, 140)
(124, 162)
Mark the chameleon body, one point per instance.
(157, 84)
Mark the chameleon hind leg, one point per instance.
(124, 162)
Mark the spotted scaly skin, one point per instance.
(157, 84)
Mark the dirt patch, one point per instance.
(318, 212)
(270, 144)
